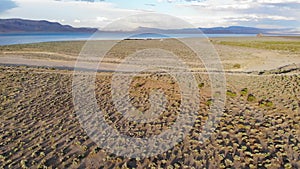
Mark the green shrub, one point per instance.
(209, 102)
(139, 85)
(251, 98)
(244, 92)
(201, 85)
(2, 157)
(81, 156)
(266, 103)
(269, 104)
(96, 150)
(237, 66)
(75, 161)
(230, 93)
(23, 164)
(42, 154)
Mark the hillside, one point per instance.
(21, 25)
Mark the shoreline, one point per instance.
(45, 37)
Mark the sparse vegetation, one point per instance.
(266, 103)
(231, 93)
(244, 91)
(201, 85)
(284, 45)
(237, 66)
(39, 129)
(251, 98)
(209, 102)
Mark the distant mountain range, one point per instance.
(218, 30)
(21, 25)
(240, 30)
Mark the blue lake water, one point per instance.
(24, 38)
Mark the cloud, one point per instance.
(6, 5)
(173, 1)
(76, 21)
(245, 12)
(101, 19)
(150, 4)
(276, 1)
(148, 20)
(201, 13)
(257, 18)
(90, 14)
(86, 0)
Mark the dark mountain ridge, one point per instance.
(22, 25)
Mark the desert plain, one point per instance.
(259, 126)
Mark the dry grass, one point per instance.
(276, 44)
(70, 48)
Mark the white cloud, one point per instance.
(201, 13)
(276, 1)
(256, 18)
(149, 20)
(76, 21)
(277, 17)
(244, 12)
(76, 13)
(101, 19)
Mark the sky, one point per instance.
(200, 13)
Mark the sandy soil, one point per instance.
(248, 59)
(255, 59)
(259, 126)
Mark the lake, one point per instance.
(24, 38)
